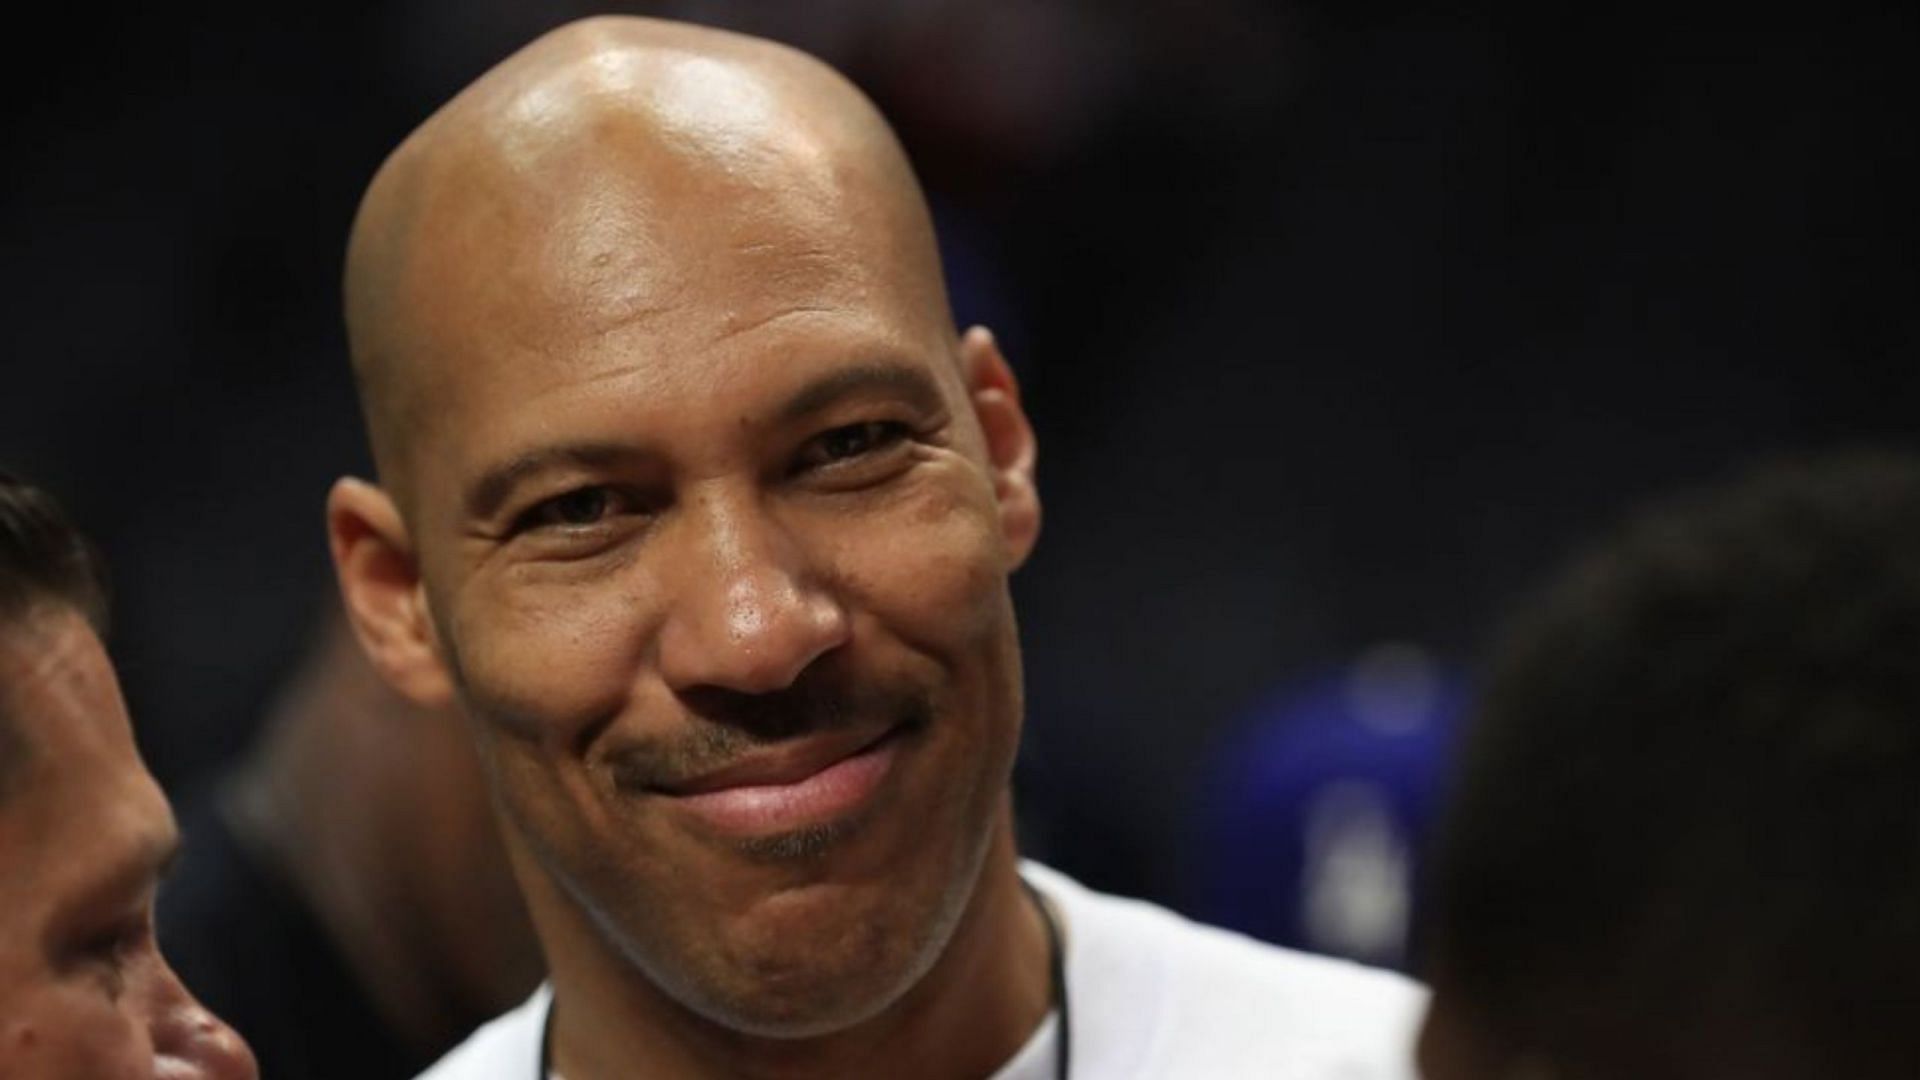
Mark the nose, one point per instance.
(749, 611)
(190, 1043)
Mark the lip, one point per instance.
(809, 782)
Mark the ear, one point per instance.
(380, 588)
(1010, 442)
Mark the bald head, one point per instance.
(610, 174)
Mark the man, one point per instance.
(1686, 839)
(691, 494)
(343, 899)
(84, 836)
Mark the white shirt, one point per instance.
(1150, 995)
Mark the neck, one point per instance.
(981, 1001)
(371, 811)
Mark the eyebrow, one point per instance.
(151, 860)
(156, 859)
(904, 380)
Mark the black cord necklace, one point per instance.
(1056, 977)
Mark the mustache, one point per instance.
(725, 725)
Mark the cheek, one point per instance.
(68, 1031)
(546, 657)
(935, 576)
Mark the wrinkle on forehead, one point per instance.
(59, 696)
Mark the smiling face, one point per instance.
(712, 519)
(84, 991)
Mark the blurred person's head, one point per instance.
(692, 495)
(1685, 838)
(85, 834)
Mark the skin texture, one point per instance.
(84, 992)
(683, 465)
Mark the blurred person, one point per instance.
(85, 834)
(693, 497)
(1312, 813)
(1685, 839)
(343, 899)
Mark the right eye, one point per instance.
(581, 508)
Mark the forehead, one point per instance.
(56, 683)
(84, 795)
(630, 259)
(596, 233)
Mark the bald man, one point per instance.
(693, 497)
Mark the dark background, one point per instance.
(1339, 322)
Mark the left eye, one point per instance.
(109, 952)
(854, 440)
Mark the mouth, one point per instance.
(806, 783)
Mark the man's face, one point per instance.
(84, 991)
(717, 550)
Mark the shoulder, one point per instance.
(507, 1048)
(1155, 994)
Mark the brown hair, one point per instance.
(43, 559)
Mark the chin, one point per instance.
(811, 1014)
(808, 987)
(816, 960)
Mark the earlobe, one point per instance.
(1011, 448)
(379, 579)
